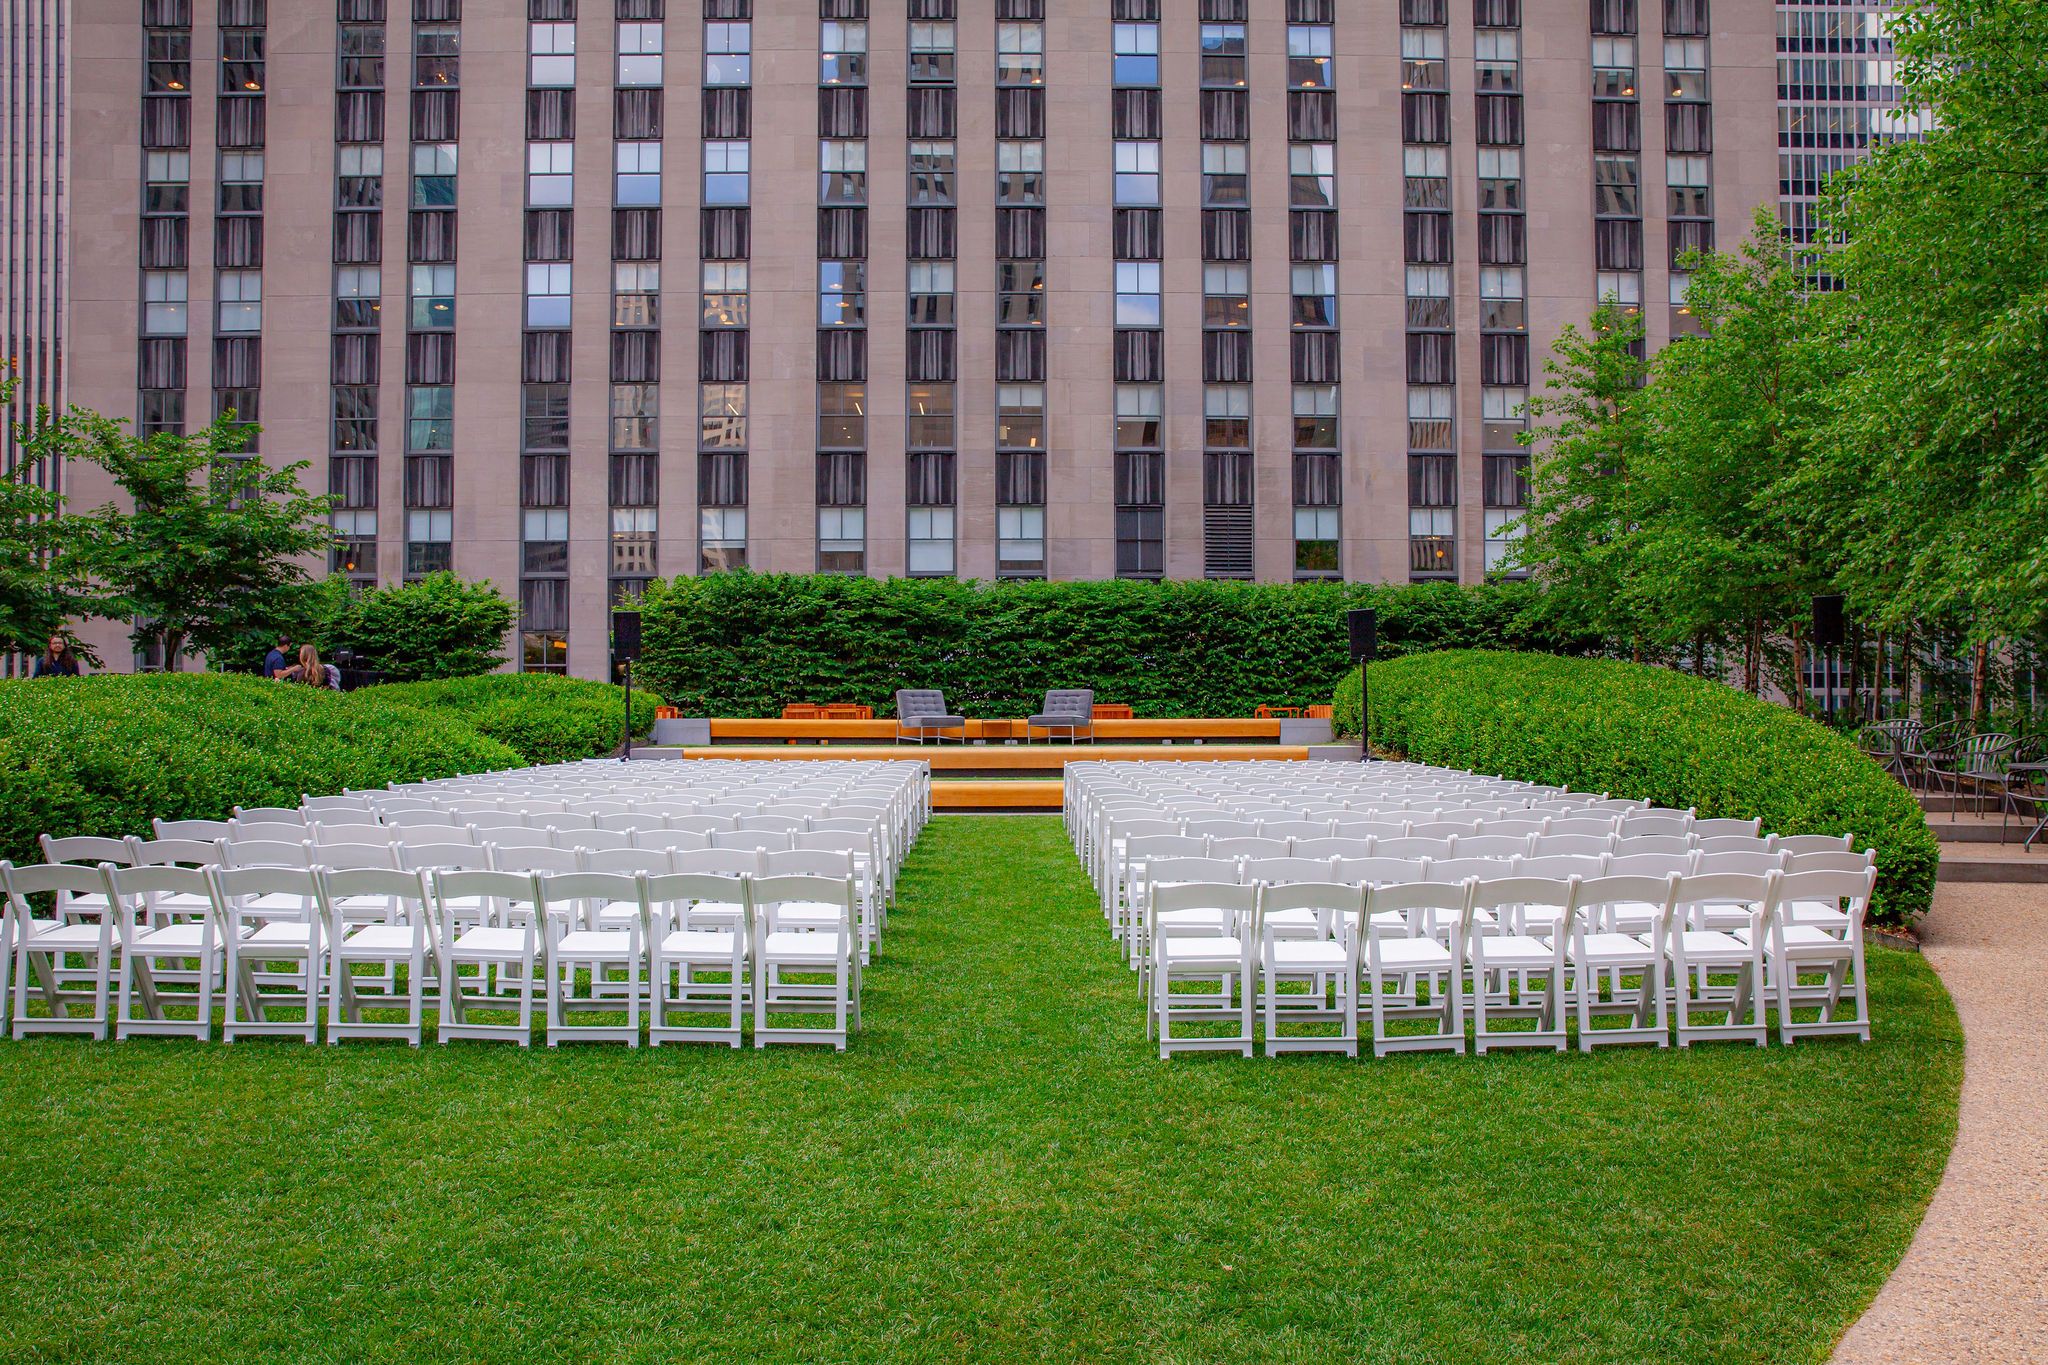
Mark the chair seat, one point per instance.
(1805, 939)
(1050, 719)
(179, 902)
(795, 947)
(492, 941)
(1413, 955)
(1825, 914)
(607, 943)
(279, 934)
(699, 944)
(1711, 945)
(1514, 951)
(1614, 950)
(1209, 920)
(1196, 949)
(713, 912)
(363, 905)
(1290, 954)
(379, 938)
(277, 903)
(171, 938)
(51, 934)
(931, 722)
(1634, 916)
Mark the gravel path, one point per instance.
(1973, 1287)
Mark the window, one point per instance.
(930, 540)
(842, 539)
(547, 294)
(725, 172)
(428, 541)
(241, 182)
(167, 182)
(1614, 186)
(543, 652)
(843, 53)
(1020, 540)
(1315, 542)
(355, 541)
(843, 172)
(1495, 53)
(1137, 174)
(544, 417)
(161, 410)
(1428, 177)
(362, 57)
(929, 422)
(1686, 179)
(1020, 54)
(1226, 295)
(636, 416)
(1315, 295)
(433, 175)
(639, 54)
(436, 55)
(241, 61)
(240, 301)
(1502, 307)
(1137, 294)
(1020, 172)
(638, 168)
(1614, 68)
(550, 178)
(722, 416)
(1223, 56)
(1683, 319)
(931, 294)
(931, 54)
(1429, 297)
(842, 293)
(1020, 416)
(1138, 416)
(1315, 416)
(1422, 59)
(544, 540)
(1623, 288)
(1500, 178)
(1685, 68)
(1020, 293)
(1135, 54)
(433, 297)
(1223, 175)
(931, 173)
(728, 52)
(1429, 416)
(633, 541)
(1227, 417)
(430, 419)
(722, 538)
(168, 62)
(1503, 529)
(1308, 56)
(359, 176)
(355, 418)
(636, 294)
(357, 291)
(553, 54)
(1312, 175)
(842, 416)
(725, 294)
(164, 294)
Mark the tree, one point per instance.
(39, 588)
(210, 553)
(438, 627)
(1580, 520)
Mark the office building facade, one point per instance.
(572, 294)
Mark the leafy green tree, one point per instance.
(1589, 428)
(39, 588)
(212, 550)
(437, 627)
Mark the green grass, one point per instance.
(999, 1170)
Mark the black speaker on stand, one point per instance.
(625, 649)
(1830, 633)
(1364, 626)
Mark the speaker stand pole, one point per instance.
(628, 754)
(1364, 718)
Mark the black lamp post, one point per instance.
(1364, 625)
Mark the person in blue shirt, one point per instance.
(279, 658)
(57, 661)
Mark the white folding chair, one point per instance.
(38, 946)
(1595, 946)
(1309, 937)
(1697, 953)
(269, 915)
(1414, 956)
(1837, 955)
(578, 944)
(1514, 954)
(501, 945)
(1201, 936)
(165, 914)
(791, 950)
(400, 936)
(697, 967)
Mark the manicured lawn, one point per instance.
(999, 1170)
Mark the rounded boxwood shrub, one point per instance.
(102, 755)
(544, 719)
(1636, 731)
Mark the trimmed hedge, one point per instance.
(746, 644)
(1637, 731)
(104, 754)
(543, 719)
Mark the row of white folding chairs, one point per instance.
(1138, 849)
(823, 853)
(1090, 824)
(1298, 954)
(464, 941)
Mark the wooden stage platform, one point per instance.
(1107, 732)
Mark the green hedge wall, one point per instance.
(1678, 740)
(102, 755)
(543, 719)
(742, 644)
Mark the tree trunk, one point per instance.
(174, 649)
(1753, 657)
(1799, 697)
(1874, 707)
(1699, 656)
(1980, 659)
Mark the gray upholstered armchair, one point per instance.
(1071, 709)
(921, 712)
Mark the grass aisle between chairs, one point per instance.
(1000, 1169)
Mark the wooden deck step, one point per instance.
(1020, 794)
(998, 757)
(725, 730)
